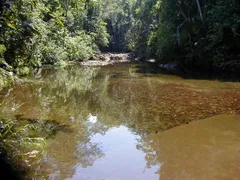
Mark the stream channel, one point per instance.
(123, 122)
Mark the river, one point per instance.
(127, 123)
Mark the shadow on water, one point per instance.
(11, 157)
(43, 127)
(6, 168)
(154, 68)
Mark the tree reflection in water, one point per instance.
(93, 100)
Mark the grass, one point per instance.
(23, 141)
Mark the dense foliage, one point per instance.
(195, 34)
(36, 32)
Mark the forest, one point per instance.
(202, 35)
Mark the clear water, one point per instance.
(126, 123)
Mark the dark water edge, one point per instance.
(8, 170)
(191, 72)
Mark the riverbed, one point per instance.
(126, 123)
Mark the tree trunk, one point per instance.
(200, 10)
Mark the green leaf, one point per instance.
(11, 26)
(2, 48)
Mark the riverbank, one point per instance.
(105, 59)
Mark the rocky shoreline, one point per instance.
(105, 59)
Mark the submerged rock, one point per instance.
(33, 153)
(169, 66)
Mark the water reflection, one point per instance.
(121, 161)
(111, 111)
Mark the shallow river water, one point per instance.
(125, 123)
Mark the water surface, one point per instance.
(126, 123)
